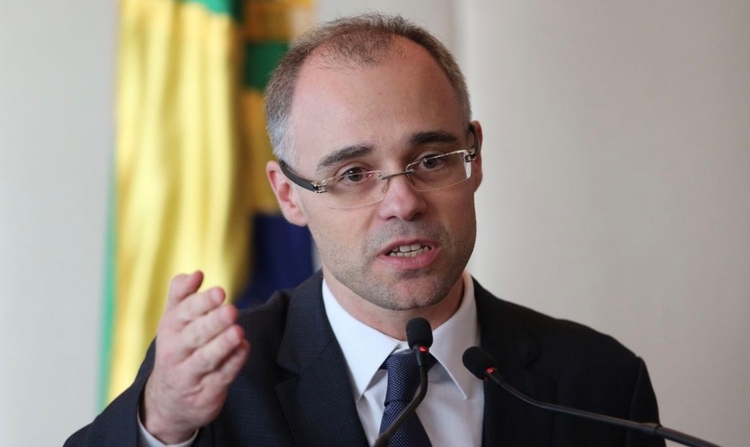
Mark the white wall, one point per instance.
(617, 183)
(56, 67)
(617, 166)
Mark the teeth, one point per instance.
(410, 251)
(408, 248)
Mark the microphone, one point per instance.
(419, 337)
(480, 363)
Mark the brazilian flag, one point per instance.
(189, 186)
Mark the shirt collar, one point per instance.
(365, 349)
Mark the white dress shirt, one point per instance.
(453, 409)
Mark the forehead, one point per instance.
(381, 107)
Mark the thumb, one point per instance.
(182, 286)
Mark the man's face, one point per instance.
(382, 118)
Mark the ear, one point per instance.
(286, 195)
(476, 169)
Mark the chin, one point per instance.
(415, 296)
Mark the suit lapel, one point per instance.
(321, 411)
(316, 398)
(507, 420)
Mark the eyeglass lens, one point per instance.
(361, 189)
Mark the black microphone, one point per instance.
(419, 337)
(482, 365)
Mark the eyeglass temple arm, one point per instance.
(299, 181)
(475, 145)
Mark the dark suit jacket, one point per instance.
(294, 389)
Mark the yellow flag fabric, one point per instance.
(185, 180)
(178, 200)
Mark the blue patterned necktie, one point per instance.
(403, 381)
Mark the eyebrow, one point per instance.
(422, 138)
(343, 154)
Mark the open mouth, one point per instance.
(409, 251)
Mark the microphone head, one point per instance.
(478, 361)
(418, 332)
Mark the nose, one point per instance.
(401, 200)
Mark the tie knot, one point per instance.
(403, 376)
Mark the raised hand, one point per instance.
(199, 351)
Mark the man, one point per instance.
(372, 113)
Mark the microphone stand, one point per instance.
(419, 336)
(650, 428)
(385, 438)
(481, 364)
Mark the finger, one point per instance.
(183, 286)
(229, 368)
(198, 305)
(210, 356)
(202, 330)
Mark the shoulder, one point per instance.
(270, 317)
(578, 367)
(557, 346)
(266, 325)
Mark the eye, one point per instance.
(354, 175)
(431, 162)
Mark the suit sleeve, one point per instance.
(117, 425)
(643, 408)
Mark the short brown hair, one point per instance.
(362, 41)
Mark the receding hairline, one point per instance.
(400, 49)
(358, 49)
(330, 55)
(351, 42)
